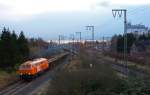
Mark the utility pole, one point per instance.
(59, 38)
(92, 28)
(61, 43)
(80, 39)
(79, 35)
(119, 12)
(72, 38)
(72, 45)
(103, 43)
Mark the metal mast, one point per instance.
(92, 28)
(119, 12)
(79, 35)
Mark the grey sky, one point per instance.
(50, 18)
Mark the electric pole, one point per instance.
(103, 43)
(59, 38)
(80, 39)
(72, 38)
(92, 28)
(79, 35)
(119, 12)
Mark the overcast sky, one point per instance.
(49, 18)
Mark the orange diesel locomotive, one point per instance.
(31, 69)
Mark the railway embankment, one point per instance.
(132, 63)
(10, 78)
(84, 76)
(43, 88)
(87, 74)
(7, 79)
(145, 69)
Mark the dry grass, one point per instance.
(42, 89)
(73, 65)
(6, 79)
(78, 78)
(131, 65)
(134, 63)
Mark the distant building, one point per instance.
(137, 29)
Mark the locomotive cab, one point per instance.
(26, 71)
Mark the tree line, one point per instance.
(118, 41)
(13, 48)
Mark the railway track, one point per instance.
(15, 88)
(124, 69)
(57, 57)
(120, 68)
(20, 85)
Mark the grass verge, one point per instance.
(7, 78)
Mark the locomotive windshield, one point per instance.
(25, 66)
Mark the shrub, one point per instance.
(98, 80)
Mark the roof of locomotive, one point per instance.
(35, 61)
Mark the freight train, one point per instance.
(31, 69)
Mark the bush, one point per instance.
(98, 80)
(137, 86)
